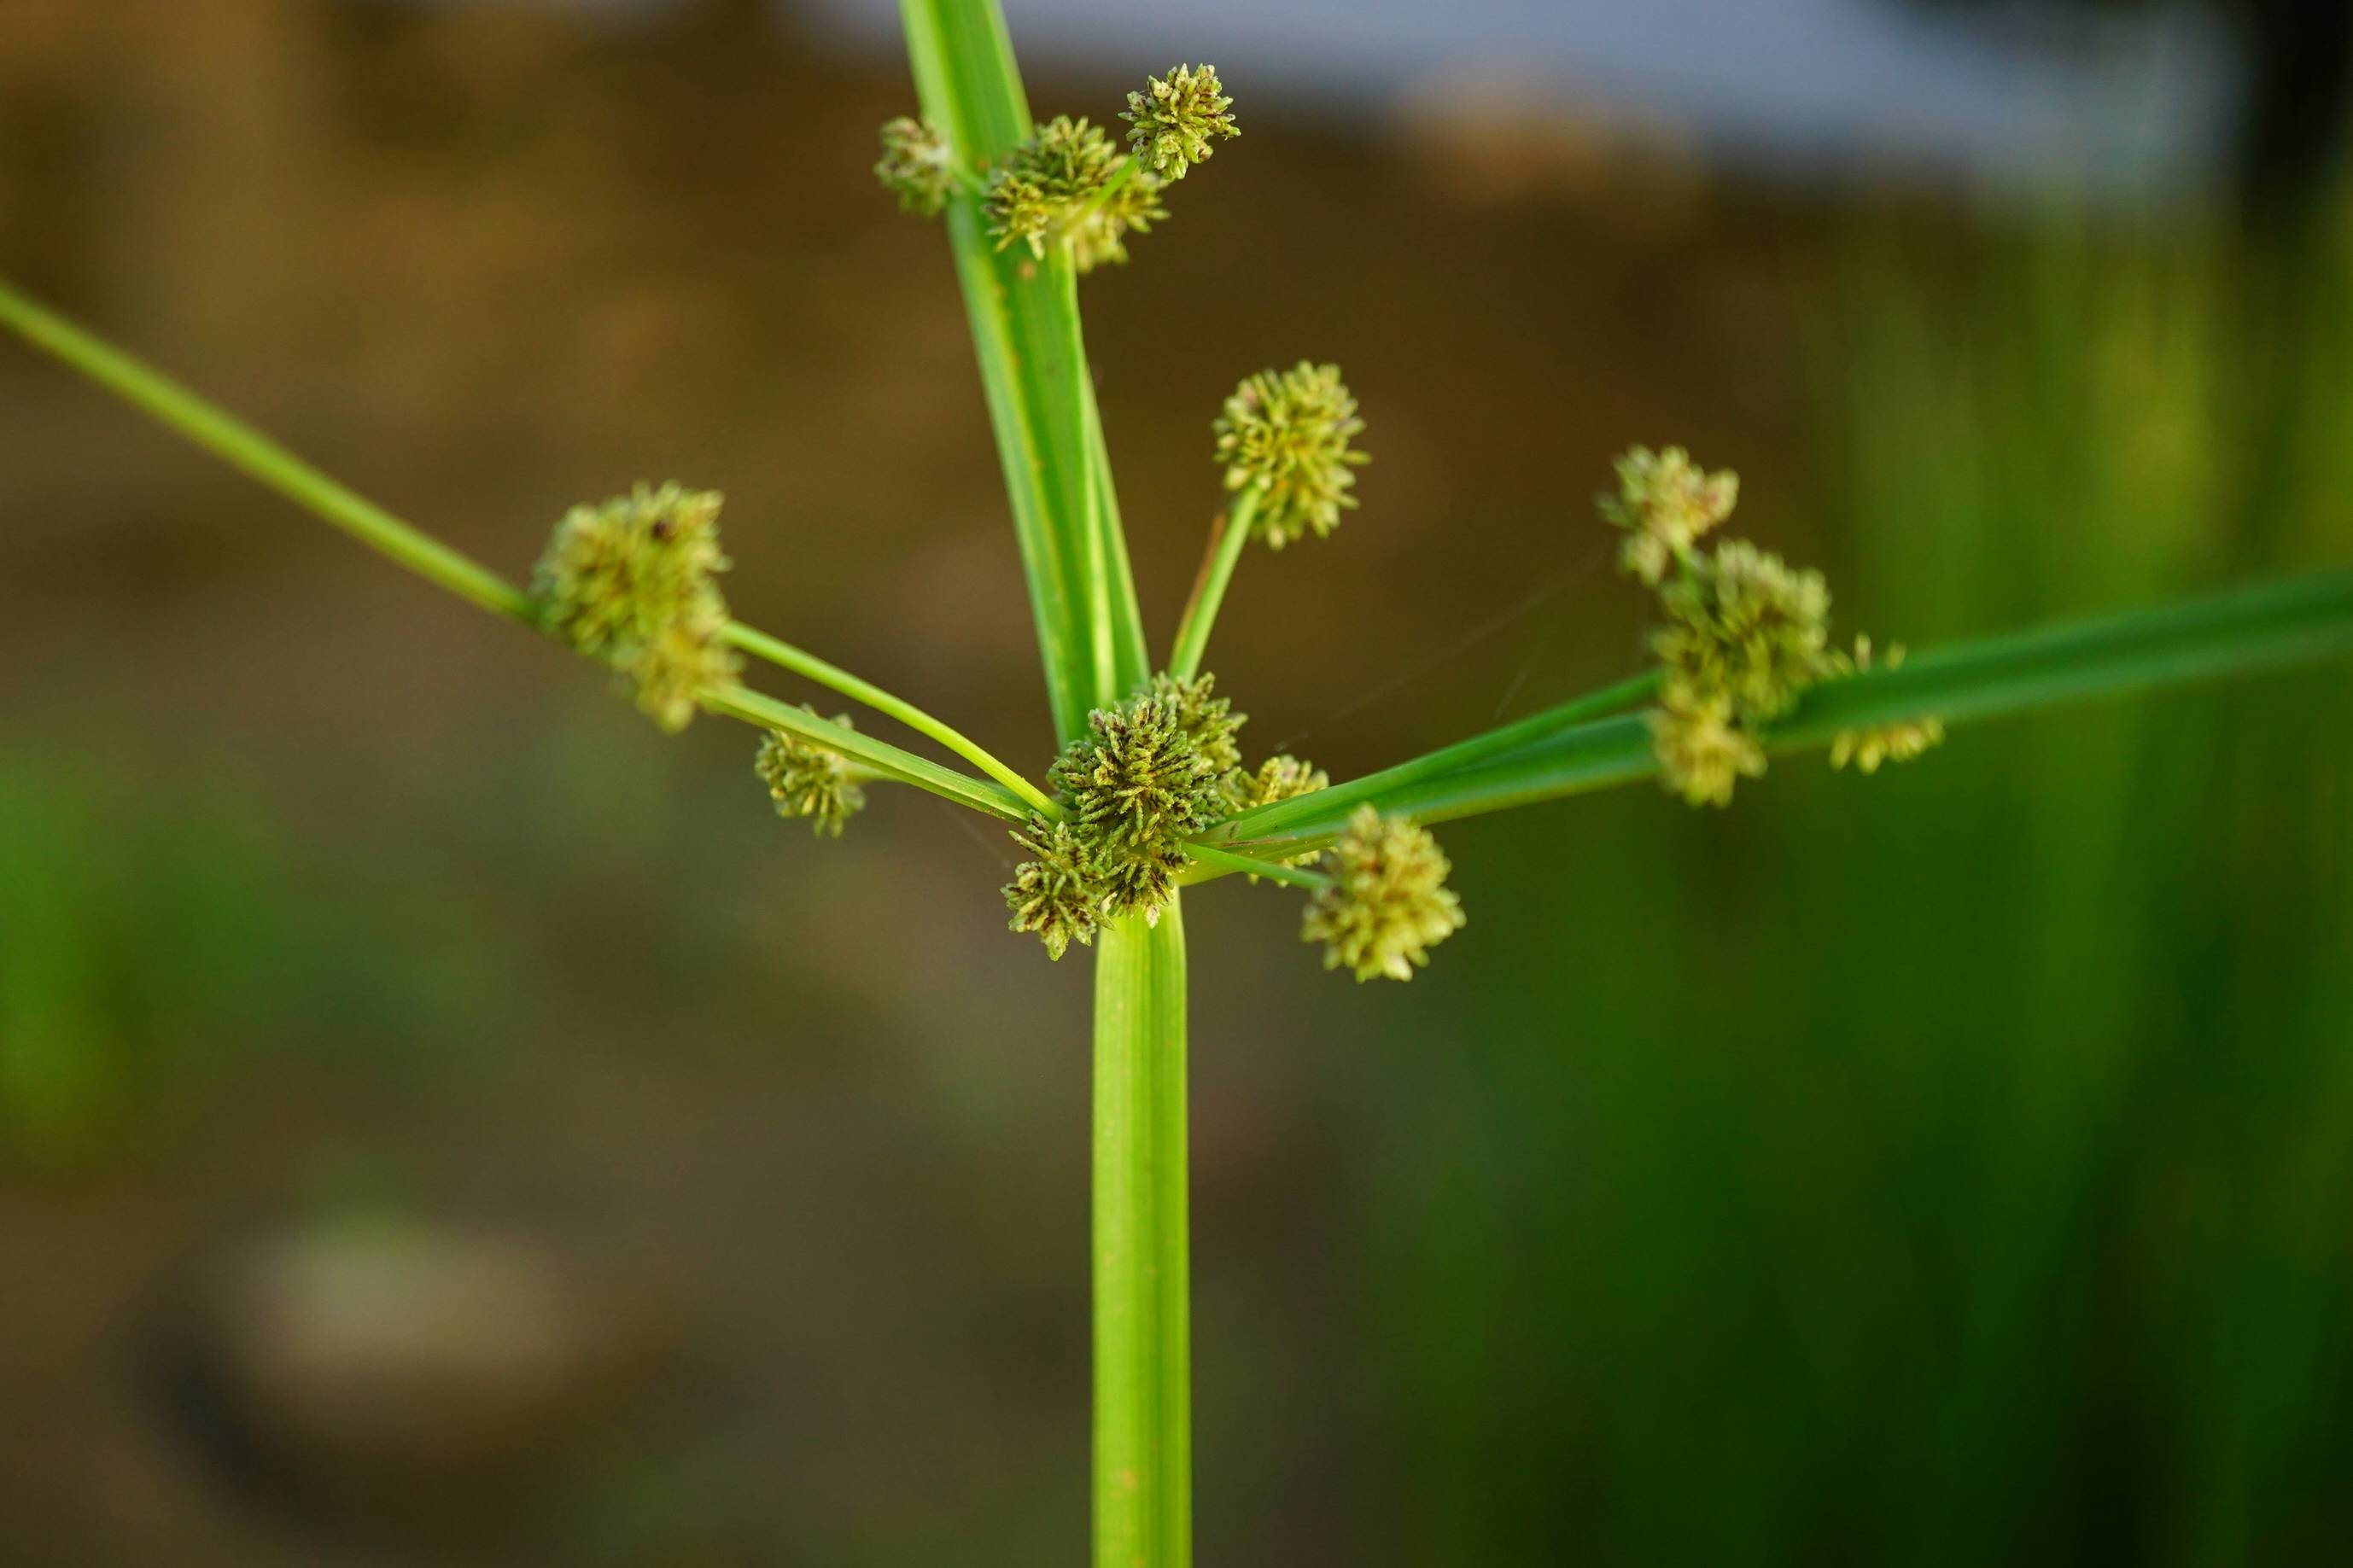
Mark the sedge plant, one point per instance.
(1153, 790)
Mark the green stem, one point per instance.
(1215, 862)
(1142, 1438)
(251, 452)
(885, 759)
(254, 454)
(801, 662)
(1217, 570)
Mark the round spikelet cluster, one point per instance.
(1207, 720)
(633, 582)
(1173, 119)
(1288, 435)
(1898, 743)
(1703, 752)
(1389, 903)
(1745, 626)
(1666, 503)
(1055, 893)
(807, 780)
(1059, 186)
(1135, 787)
(1279, 777)
(917, 165)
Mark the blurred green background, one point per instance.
(1950, 1167)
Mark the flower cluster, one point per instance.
(1665, 502)
(1743, 628)
(1171, 121)
(1135, 787)
(1746, 632)
(1146, 776)
(1070, 184)
(633, 583)
(1389, 903)
(1287, 435)
(1055, 894)
(917, 166)
(807, 780)
(1897, 743)
(1279, 777)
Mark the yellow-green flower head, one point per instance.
(1062, 186)
(807, 779)
(1898, 743)
(1389, 903)
(1206, 720)
(1172, 121)
(917, 166)
(1279, 777)
(1745, 626)
(1665, 502)
(1055, 895)
(1704, 751)
(1287, 434)
(634, 583)
(1134, 788)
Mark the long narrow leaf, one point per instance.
(1026, 333)
(2250, 628)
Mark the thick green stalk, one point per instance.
(1143, 1355)
(2272, 623)
(1026, 335)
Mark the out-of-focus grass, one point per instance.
(1954, 1168)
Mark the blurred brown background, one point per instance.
(445, 1121)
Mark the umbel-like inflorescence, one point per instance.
(1147, 776)
(917, 165)
(1389, 903)
(807, 780)
(1135, 787)
(634, 583)
(1172, 121)
(1286, 436)
(1746, 632)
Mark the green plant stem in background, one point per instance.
(2301, 618)
(1143, 1347)
(251, 452)
(801, 662)
(1230, 537)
